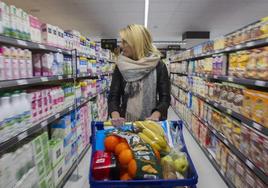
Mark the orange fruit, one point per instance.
(120, 147)
(157, 154)
(123, 140)
(125, 157)
(125, 177)
(132, 168)
(111, 142)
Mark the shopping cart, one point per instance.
(190, 181)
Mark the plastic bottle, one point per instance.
(7, 64)
(22, 64)
(5, 18)
(2, 77)
(13, 21)
(7, 114)
(14, 62)
(16, 106)
(26, 109)
(29, 65)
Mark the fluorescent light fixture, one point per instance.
(146, 12)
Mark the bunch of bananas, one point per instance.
(153, 134)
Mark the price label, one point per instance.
(44, 79)
(226, 142)
(210, 156)
(222, 172)
(42, 46)
(230, 79)
(216, 104)
(22, 136)
(44, 123)
(266, 40)
(227, 49)
(217, 51)
(257, 126)
(250, 44)
(238, 46)
(57, 116)
(69, 76)
(229, 111)
(207, 100)
(60, 77)
(260, 83)
(249, 164)
(70, 108)
(215, 76)
(214, 131)
(59, 50)
(21, 42)
(22, 82)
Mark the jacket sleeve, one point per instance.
(163, 90)
(115, 92)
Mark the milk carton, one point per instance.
(47, 34)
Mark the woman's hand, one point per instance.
(116, 119)
(155, 116)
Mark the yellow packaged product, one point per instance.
(260, 110)
(243, 58)
(232, 64)
(251, 71)
(248, 103)
(262, 64)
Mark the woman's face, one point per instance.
(127, 50)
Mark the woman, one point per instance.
(140, 86)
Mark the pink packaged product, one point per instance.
(45, 105)
(37, 65)
(239, 174)
(22, 64)
(265, 156)
(46, 63)
(34, 106)
(245, 140)
(29, 64)
(47, 34)
(35, 29)
(249, 179)
(257, 149)
(1, 64)
(14, 62)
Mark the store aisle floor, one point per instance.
(208, 176)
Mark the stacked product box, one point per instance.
(42, 159)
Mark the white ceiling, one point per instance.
(168, 19)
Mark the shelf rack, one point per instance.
(73, 167)
(43, 124)
(258, 172)
(232, 113)
(243, 46)
(32, 45)
(207, 154)
(242, 81)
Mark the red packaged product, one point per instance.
(104, 166)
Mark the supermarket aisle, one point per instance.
(208, 176)
(80, 176)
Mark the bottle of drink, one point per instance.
(7, 64)
(7, 116)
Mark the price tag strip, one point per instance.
(22, 82)
(22, 135)
(21, 42)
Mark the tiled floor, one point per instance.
(208, 176)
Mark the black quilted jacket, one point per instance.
(117, 100)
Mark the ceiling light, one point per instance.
(146, 12)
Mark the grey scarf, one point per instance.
(141, 81)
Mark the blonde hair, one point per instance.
(139, 39)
